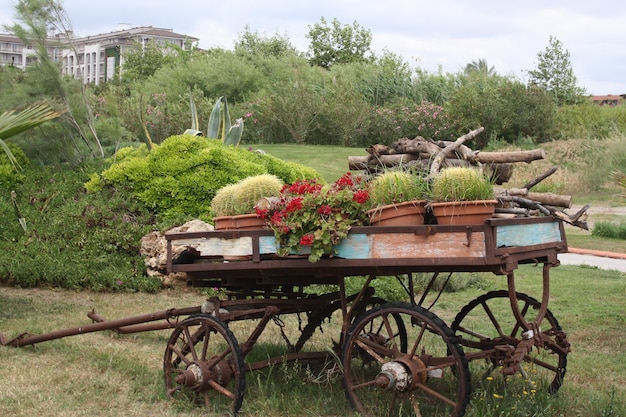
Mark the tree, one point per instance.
(479, 67)
(141, 63)
(554, 74)
(338, 44)
(38, 18)
(256, 44)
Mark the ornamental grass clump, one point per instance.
(393, 187)
(461, 184)
(242, 197)
(312, 216)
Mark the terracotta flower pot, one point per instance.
(408, 213)
(463, 212)
(241, 222)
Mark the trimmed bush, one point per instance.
(179, 178)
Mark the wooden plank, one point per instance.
(438, 245)
(527, 234)
(396, 245)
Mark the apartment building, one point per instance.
(94, 59)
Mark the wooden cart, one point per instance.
(397, 356)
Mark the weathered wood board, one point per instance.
(358, 246)
(527, 234)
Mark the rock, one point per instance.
(154, 249)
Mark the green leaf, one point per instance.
(214, 120)
(225, 115)
(194, 113)
(233, 137)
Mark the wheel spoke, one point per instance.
(180, 355)
(190, 344)
(493, 319)
(418, 340)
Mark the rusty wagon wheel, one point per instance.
(203, 363)
(382, 378)
(318, 317)
(488, 324)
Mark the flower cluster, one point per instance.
(316, 216)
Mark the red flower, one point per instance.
(262, 213)
(307, 240)
(325, 209)
(277, 217)
(294, 205)
(345, 181)
(361, 196)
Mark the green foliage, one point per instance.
(610, 230)
(256, 45)
(479, 68)
(220, 126)
(408, 120)
(39, 17)
(504, 107)
(143, 61)
(554, 73)
(16, 121)
(461, 184)
(74, 240)
(181, 176)
(241, 197)
(587, 120)
(396, 187)
(9, 176)
(337, 43)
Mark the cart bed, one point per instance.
(248, 257)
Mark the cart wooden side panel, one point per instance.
(249, 257)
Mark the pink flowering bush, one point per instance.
(310, 215)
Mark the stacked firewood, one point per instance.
(431, 156)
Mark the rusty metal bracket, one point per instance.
(468, 236)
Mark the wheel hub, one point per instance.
(402, 374)
(198, 374)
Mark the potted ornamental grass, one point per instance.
(397, 198)
(462, 195)
(233, 206)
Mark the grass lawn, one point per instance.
(330, 161)
(105, 374)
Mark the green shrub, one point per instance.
(74, 239)
(179, 178)
(610, 230)
(9, 175)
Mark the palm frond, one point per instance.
(17, 121)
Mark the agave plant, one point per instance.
(16, 121)
(220, 126)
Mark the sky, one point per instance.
(435, 36)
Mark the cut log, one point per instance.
(540, 178)
(416, 145)
(356, 163)
(551, 199)
(500, 173)
(437, 161)
(512, 156)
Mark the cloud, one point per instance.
(446, 34)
